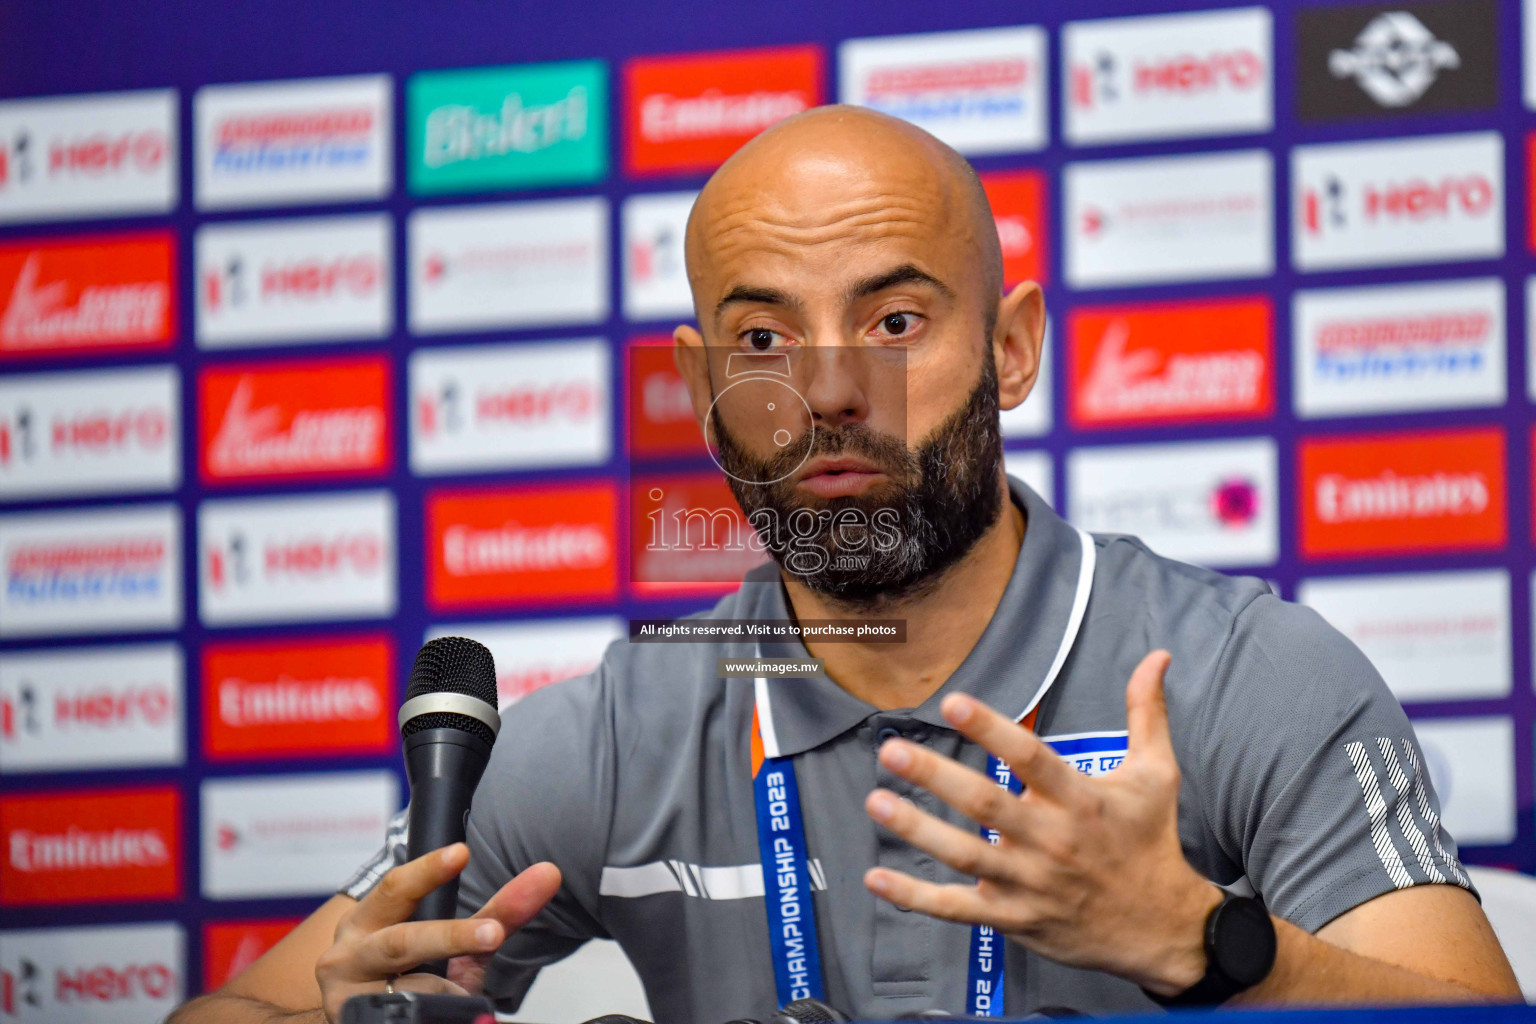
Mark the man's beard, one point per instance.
(941, 499)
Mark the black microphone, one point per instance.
(447, 724)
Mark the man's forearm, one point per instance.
(1309, 970)
(221, 1008)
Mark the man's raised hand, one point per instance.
(376, 940)
(1086, 871)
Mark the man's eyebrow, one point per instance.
(904, 274)
(759, 296)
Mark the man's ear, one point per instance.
(693, 364)
(1016, 343)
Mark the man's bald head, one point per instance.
(804, 171)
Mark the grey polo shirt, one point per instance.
(1301, 779)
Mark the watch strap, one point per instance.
(1216, 987)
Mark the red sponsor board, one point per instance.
(91, 847)
(323, 417)
(688, 536)
(1018, 206)
(74, 295)
(303, 698)
(521, 545)
(661, 419)
(690, 112)
(1386, 494)
(1170, 362)
(229, 947)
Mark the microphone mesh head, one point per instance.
(452, 664)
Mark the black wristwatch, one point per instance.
(1239, 953)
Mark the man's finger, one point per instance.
(962, 903)
(1146, 709)
(965, 851)
(1035, 763)
(515, 903)
(394, 899)
(400, 947)
(969, 792)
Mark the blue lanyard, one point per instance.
(792, 913)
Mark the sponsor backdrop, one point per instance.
(327, 332)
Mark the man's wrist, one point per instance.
(1182, 961)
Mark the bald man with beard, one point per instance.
(1252, 755)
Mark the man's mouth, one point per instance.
(840, 477)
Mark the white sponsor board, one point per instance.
(291, 835)
(112, 974)
(1169, 218)
(511, 406)
(1208, 502)
(1032, 418)
(1472, 764)
(314, 140)
(1399, 347)
(508, 265)
(655, 280)
(1528, 51)
(91, 707)
(90, 433)
(1168, 75)
(1431, 199)
(1530, 337)
(103, 570)
(314, 279)
(531, 654)
(1036, 469)
(1432, 636)
(107, 154)
(980, 91)
(299, 559)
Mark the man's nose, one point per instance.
(835, 388)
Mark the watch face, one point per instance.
(1244, 943)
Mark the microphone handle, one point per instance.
(443, 767)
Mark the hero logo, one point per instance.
(299, 140)
(690, 113)
(661, 420)
(1395, 59)
(510, 406)
(1356, 205)
(286, 559)
(61, 975)
(1017, 199)
(514, 545)
(307, 279)
(1168, 75)
(87, 294)
(81, 572)
(297, 280)
(1428, 345)
(1212, 503)
(257, 702)
(979, 91)
(1170, 362)
(83, 433)
(1428, 491)
(295, 419)
(77, 156)
(90, 707)
(91, 846)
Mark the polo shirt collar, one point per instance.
(1019, 652)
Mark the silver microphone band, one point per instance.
(452, 703)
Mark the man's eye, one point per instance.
(897, 323)
(761, 338)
